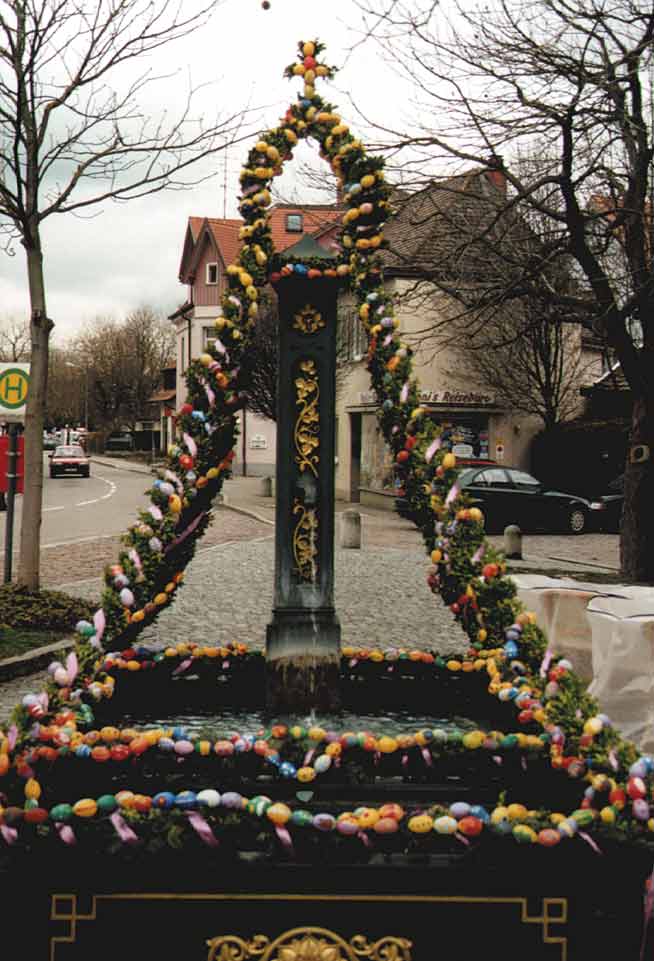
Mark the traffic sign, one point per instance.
(14, 384)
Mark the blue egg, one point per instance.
(300, 269)
(166, 744)
(387, 405)
(186, 800)
(163, 800)
(511, 649)
(480, 812)
(179, 733)
(511, 635)
(286, 769)
(304, 103)
(82, 750)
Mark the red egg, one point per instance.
(548, 837)
(471, 826)
(385, 826)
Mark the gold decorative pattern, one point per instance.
(308, 320)
(308, 944)
(306, 435)
(305, 547)
(65, 909)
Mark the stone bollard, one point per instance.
(513, 542)
(266, 487)
(351, 529)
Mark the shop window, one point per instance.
(466, 435)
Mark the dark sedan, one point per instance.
(69, 459)
(611, 505)
(510, 496)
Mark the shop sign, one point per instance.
(258, 442)
(450, 397)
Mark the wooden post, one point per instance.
(303, 638)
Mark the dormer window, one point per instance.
(212, 275)
(294, 223)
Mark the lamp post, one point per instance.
(86, 391)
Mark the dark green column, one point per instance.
(303, 638)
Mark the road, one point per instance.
(76, 508)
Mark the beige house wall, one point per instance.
(450, 396)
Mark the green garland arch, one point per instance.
(505, 642)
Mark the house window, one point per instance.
(353, 340)
(212, 274)
(208, 338)
(294, 223)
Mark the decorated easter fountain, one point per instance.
(523, 831)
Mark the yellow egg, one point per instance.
(161, 599)
(85, 808)
(308, 48)
(420, 824)
(386, 744)
(436, 556)
(367, 180)
(32, 789)
(516, 812)
(449, 461)
(607, 815)
(306, 774)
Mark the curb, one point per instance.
(246, 513)
(33, 661)
(128, 465)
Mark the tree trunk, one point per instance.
(637, 531)
(40, 327)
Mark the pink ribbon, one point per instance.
(588, 839)
(285, 837)
(452, 495)
(202, 828)
(363, 837)
(172, 476)
(185, 533)
(613, 760)
(547, 660)
(9, 835)
(12, 735)
(497, 758)
(123, 830)
(404, 393)
(184, 666)
(431, 450)
(219, 346)
(211, 397)
(191, 446)
(134, 557)
(66, 833)
(427, 757)
(99, 622)
(479, 553)
(308, 757)
(72, 667)
(462, 838)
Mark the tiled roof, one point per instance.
(434, 229)
(317, 218)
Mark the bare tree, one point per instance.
(494, 80)
(73, 134)
(123, 361)
(14, 338)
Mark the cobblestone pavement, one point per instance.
(380, 591)
(72, 562)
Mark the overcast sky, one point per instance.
(128, 254)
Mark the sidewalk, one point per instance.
(556, 555)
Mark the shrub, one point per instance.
(49, 610)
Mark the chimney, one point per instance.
(495, 173)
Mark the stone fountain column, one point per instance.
(303, 638)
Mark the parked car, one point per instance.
(119, 440)
(49, 441)
(507, 495)
(69, 459)
(611, 505)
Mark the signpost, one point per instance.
(14, 384)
